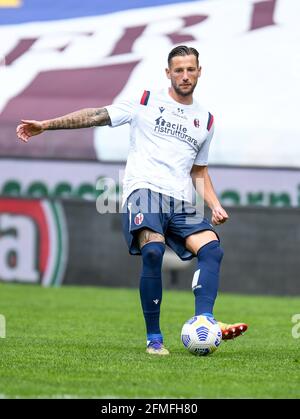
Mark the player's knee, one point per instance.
(153, 253)
(217, 253)
(212, 253)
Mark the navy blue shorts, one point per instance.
(174, 219)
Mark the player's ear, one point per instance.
(168, 73)
(199, 71)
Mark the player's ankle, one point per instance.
(154, 337)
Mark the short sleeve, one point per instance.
(202, 156)
(122, 112)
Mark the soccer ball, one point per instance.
(201, 335)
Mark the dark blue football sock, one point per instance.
(151, 287)
(206, 279)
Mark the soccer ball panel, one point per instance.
(201, 335)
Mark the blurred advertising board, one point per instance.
(240, 186)
(33, 241)
(50, 243)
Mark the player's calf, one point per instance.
(151, 290)
(206, 279)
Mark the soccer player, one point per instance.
(169, 144)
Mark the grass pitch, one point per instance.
(90, 343)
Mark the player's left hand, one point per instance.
(219, 216)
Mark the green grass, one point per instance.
(90, 342)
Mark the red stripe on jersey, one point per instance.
(210, 121)
(145, 97)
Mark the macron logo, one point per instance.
(156, 301)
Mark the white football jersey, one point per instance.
(166, 139)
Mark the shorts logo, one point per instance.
(196, 123)
(138, 219)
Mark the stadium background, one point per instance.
(60, 56)
(56, 59)
(79, 341)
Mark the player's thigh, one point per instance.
(146, 236)
(195, 241)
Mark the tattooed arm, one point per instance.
(90, 117)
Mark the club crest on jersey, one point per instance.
(197, 123)
(138, 219)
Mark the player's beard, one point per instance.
(184, 93)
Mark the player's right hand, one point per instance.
(219, 216)
(28, 129)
